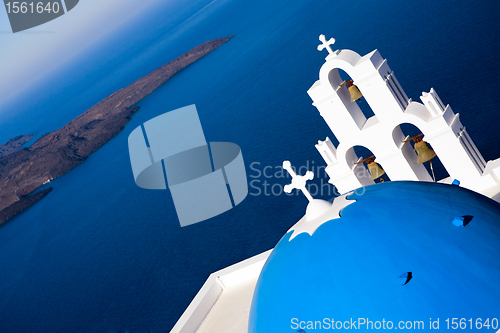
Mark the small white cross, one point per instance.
(298, 182)
(326, 44)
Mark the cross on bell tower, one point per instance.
(326, 44)
(298, 182)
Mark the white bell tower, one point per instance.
(382, 134)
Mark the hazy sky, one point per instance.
(27, 56)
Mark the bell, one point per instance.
(355, 93)
(425, 153)
(375, 169)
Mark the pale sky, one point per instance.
(27, 56)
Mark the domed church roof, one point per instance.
(404, 251)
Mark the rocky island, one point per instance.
(52, 155)
(14, 144)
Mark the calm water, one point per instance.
(100, 254)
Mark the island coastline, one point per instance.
(22, 171)
(14, 144)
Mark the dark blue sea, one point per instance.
(100, 254)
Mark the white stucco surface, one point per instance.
(230, 313)
(223, 303)
(309, 225)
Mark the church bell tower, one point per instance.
(381, 133)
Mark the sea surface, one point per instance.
(100, 254)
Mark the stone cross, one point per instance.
(326, 44)
(298, 182)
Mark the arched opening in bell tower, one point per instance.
(434, 166)
(366, 172)
(359, 110)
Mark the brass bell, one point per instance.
(355, 93)
(353, 90)
(375, 170)
(425, 153)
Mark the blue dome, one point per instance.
(394, 255)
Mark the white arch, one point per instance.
(381, 90)
(409, 153)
